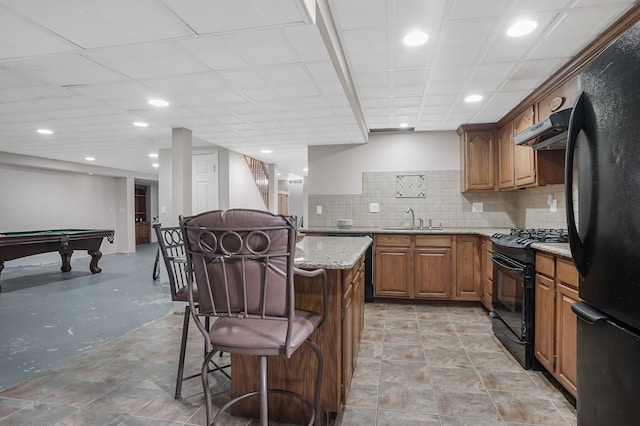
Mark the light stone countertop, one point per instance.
(559, 249)
(487, 232)
(330, 252)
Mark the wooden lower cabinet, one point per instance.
(445, 267)
(545, 321)
(392, 265)
(142, 232)
(338, 339)
(468, 268)
(566, 325)
(433, 267)
(555, 341)
(352, 323)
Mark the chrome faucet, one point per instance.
(420, 223)
(413, 217)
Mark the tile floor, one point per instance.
(429, 364)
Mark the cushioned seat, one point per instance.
(242, 264)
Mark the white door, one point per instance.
(204, 182)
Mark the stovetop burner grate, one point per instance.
(546, 235)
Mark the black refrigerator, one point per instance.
(604, 146)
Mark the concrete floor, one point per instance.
(48, 317)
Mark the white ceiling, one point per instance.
(250, 75)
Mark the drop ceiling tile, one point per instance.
(538, 69)
(520, 84)
(439, 100)
(456, 56)
(20, 37)
(207, 17)
(489, 71)
(576, 27)
(408, 77)
(307, 42)
(364, 42)
(411, 59)
(410, 14)
(91, 24)
(259, 48)
(472, 9)
(287, 75)
(526, 8)
(186, 84)
(363, 64)
(358, 14)
(243, 79)
(145, 62)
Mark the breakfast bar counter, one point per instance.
(338, 337)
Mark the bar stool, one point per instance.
(171, 247)
(242, 263)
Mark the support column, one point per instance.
(273, 188)
(181, 147)
(125, 237)
(165, 189)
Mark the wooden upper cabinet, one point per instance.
(505, 157)
(477, 157)
(524, 157)
(561, 98)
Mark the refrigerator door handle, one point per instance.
(576, 122)
(588, 313)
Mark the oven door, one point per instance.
(508, 294)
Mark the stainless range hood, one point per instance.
(550, 133)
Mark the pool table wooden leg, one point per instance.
(65, 255)
(95, 256)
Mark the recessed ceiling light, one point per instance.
(90, 158)
(306, 169)
(403, 125)
(473, 98)
(45, 131)
(266, 151)
(141, 123)
(155, 165)
(415, 38)
(153, 155)
(158, 102)
(521, 28)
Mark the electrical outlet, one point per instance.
(318, 209)
(477, 207)
(374, 208)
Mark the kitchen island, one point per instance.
(338, 337)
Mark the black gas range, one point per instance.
(514, 286)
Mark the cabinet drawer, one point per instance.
(545, 265)
(393, 240)
(433, 241)
(566, 272)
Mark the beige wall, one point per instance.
(344, 180)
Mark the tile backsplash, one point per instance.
(443, 204)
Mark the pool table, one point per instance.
(14, 245)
